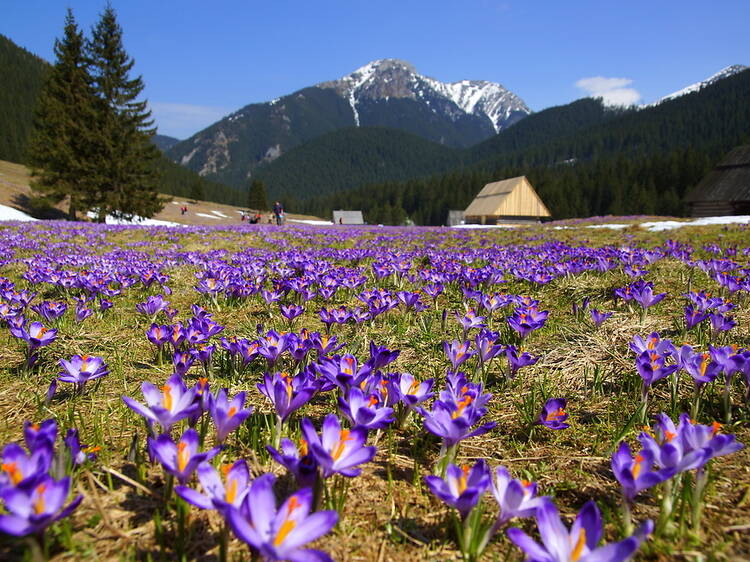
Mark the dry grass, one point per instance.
(390, 514)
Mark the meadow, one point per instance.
(258, 392)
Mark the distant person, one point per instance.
(183, 209)
(278, 213)
(341, 220)
(243, 218)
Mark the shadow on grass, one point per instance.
(36, 208)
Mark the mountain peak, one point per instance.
(385, 79)
(723, 73)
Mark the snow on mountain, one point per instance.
(393, 78)
(724, 73)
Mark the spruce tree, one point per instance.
(61, 146)
(127, 176)
(256, 198)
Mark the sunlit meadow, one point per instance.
(363, 393)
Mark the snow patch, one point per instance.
(11, 214)
(220, 214)
(312, 222)
(205, 215)
(609, 226)
(136, 221)
(657, 226)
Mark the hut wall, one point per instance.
(711, 208)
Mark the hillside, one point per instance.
(22, 75)
(16, 194)
(352, 157)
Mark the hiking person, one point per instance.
(278, 212)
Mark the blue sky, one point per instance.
(201, 60)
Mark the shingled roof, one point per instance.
(728, 181)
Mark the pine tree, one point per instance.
(127, 176)
(61, 145)
(256, 198)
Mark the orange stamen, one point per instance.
(167, 398)
(580, 544)
(339, 450)
(636, 470)
(13, 471)
(183, 456)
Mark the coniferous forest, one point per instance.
(582, 158)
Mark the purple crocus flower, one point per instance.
(516, 498)
(272, 345)
(82, 369)
(369, 412)
(651, 366)
(698, 436)
(82, 312)
(298, 461)
(553, 414)
(598, 317)
(182, 361)
(667, 445)
(79, 454)
(218, 494)
(182, 458)
(720, 322)
(36, 335)
(463, 486)
(636, 474)
(518, 359)
(380, 356)
(693, 316)
(453, 421)
(39, 435)
(457, 352)
(31, 508)
(580, 544)
(700, 366)
(291, 311)
(228, 415)
(158, 335)
(49, 310)
(152, 306)
(337, 450)
(287, 394)
(487, 348)
(470, 320)
(280, 534)
(165, 405)
(410, 390)
(19, 467)
(643, 294)
(526, 319)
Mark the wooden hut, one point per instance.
(511, 201)
(348, 217)
(726, 189)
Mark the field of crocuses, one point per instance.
(303, 393)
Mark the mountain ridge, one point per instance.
(383, 93)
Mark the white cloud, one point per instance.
(182, 120)
(613, 91)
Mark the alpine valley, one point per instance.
(384, 93)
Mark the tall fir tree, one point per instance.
(257, 198)
(127, 173)
(61, 146)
